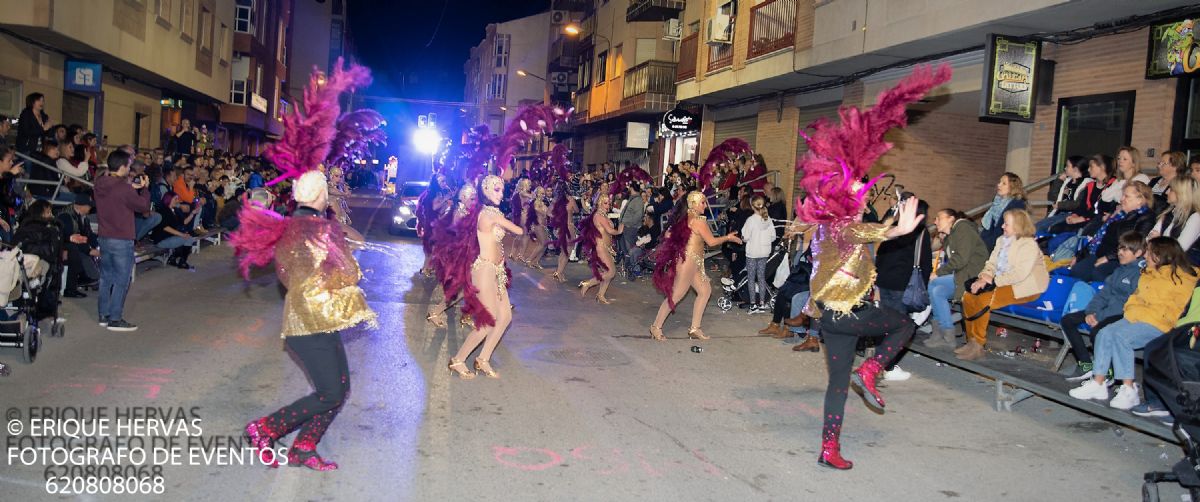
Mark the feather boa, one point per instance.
(531, 219)
(724, 152)
(840, 155)
(670, 253)
(529, 123)
(561, 221)
(306, 139)
(254, 240)
(589, 237)
(357, 132)
(633, 173)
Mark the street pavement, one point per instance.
(587, 407)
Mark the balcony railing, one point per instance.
(653, 10)
(652, 76)
(719, 56)
(772, 27)
(581, 101)
(687, 57)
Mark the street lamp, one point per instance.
(427, 140)
(524, 73)
(573, 29)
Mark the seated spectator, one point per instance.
(71, 161)
(1181, 219)
(797, 282)
(1170, 166)
(1109, 303)
(1103, 174)
(1098, 258)
(1194, 168)
(647, 239)
(81, 245)
(38, 235)
(1010, 194)
(1067, 190)
(963, 255)
(9, 197)
(1162, 293)
(1015, 273)
(172, 233)
(1129, 165)
(48, 156)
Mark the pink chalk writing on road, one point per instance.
(603, 461)
(103, 377)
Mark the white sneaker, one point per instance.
(896, 375)
(1090, 390)
(1127, 397)
(727, 281)
(919, 318)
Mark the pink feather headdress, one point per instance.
(307, 136)
(840, 155)
(727, 151)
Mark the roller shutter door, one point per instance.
(807, 116)
(745, 129)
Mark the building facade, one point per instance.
(313, 19)
(257, 90)
(761, 70)
(123, 69)
(493, 84)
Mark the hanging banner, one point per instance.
(1173, 50)
(679, 122)
(1008, 79)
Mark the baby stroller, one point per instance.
(737, 289)
(1172, 369)
(25, 278)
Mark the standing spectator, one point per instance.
(81, 245)
(117, 203)
(631, 218)
(777, 210)
(1010, 194)
(5, 128)
(758, 233)
(756, 174)
(185, 139)
(33, 123)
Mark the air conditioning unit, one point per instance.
(560, 77)
(719, 30)
(560, 17)
(673, 29)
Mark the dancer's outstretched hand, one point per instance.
(907, 220)
(732, 237)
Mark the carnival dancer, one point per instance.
(679, 264)
(518, 209)
(565, 232)
(596, 242)
(489, 277)
(843, 270)
(314, 262)
(539, 213)
(433, 204)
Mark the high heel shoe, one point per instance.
(309, 459)
(697, 333)
(558, 277)
(656, 333)
(485, 368)
(604, 300)
(583, 288)
(460, 368)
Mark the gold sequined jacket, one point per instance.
(843, 268)
(317, 267)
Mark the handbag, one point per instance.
(916, 294)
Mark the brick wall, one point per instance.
(776, 140)
(1108, 64)
(946, 159)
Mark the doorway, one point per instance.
(75, 110)
(141, 130)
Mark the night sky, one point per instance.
(394, 37)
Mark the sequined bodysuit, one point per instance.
(695, 250)
(498, 234)
(843, 270)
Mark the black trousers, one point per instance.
(783, 301)
(323, 359)
(1070, 327)
(80, 266)
(841, 333)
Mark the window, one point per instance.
(239, 71)
(601, 67)
(618, 62)
(277, 97)
(496, 87)
(280, 46)
(585, 71)
(223, 46)
(502, 46)
(11, 98)
(162, 12)
(335, 37)
(186, 18)
(206, 29)
(244, 17)
(258, 71)
(1090, 124)
(237, 93)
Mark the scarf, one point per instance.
(996, 212)
(1002, 246)
(1094, 243)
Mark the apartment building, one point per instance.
(313, 19)
(762, 69)
(257, 93)
(121, 68)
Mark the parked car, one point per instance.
(404, 217)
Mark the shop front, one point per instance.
(679, 133)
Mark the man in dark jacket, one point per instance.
(81, 245)
(118, 201)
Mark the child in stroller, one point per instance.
(1172, 371)
(737, 288)
(38, 234)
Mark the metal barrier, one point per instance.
(58, 185)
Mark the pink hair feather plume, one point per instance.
(530, 122)
(357, 132)
(255, 238)
(840, 155)
(633, 173)
(724, 152)
(307, 136)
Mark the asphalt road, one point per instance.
(588, 407)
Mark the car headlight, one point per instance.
(404, 211)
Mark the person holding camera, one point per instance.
(118, 201)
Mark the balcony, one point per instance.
(656, 77)
(580, 102)
(653, 10)
(565, 52)
(687, 57)
(719, 56)
(772, 27)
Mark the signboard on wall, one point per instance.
(637, 135)
(1173, 50)
(82, 76)
(679, 122)
(1009, 79)
(258, 103)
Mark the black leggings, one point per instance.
(841, 333)
(323, 358)
(1070, 327)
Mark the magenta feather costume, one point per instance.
(671, 251)
(531, 219)
(724, 152)
(633, 173)
(589, 238)
(357, 132)
(560, 220)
